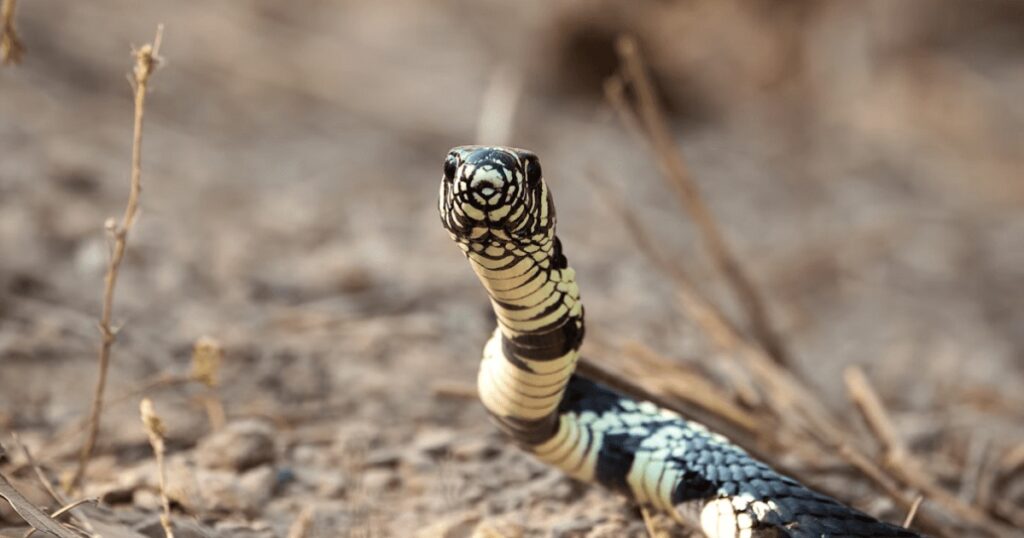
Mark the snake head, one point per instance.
(495, 191)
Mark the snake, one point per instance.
(497, 208)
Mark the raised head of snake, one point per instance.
(495, 205)
(497, 208)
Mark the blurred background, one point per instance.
(864, 160)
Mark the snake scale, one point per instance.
(498, 210)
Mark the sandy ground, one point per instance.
(864, 160)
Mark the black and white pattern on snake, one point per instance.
(496, 206)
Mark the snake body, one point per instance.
(499, 211)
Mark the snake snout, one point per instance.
(487, 179)
(487, 185)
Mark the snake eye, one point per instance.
(533, 172)
(450, 165)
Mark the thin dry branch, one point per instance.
(146, 60)
(786, 396)
(699, 308)
(792, 403)
(871, 408)
(913, 511)
(650, 121)
(691, 386)
(11, 48)
(155, 431)
(902, 463)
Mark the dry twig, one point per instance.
(11, 48)
(913, 511)
(650, 121)
(155, 431)
(901, 462)
(785, 395)
(146, 60)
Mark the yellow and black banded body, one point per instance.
(496, 206)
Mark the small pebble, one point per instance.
(434, 442)
(377, 480)
(475, 449)
(239, 446)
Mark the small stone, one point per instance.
(146, 499)
(331, 485)
(239, 446)
(434, 442)
(200, 490)
(475, 449)
(306, 454)
(256, 487)
(112, 496)
(555, 486)
(377, 480)
(383, 457)
(419, 462)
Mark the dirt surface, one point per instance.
(864, 160)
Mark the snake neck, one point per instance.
(529, 360)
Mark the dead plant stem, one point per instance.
(902, 463)
(651, 121)
(156, 432)
(146, 60)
